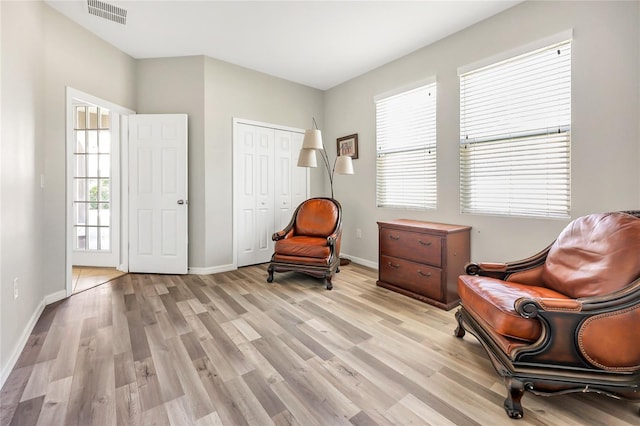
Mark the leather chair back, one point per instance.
(317, 218)
(595, 255)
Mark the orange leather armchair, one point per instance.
(566, 319)
(311, 241)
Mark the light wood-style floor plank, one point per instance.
(231, 349)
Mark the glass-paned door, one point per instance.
(92, 205)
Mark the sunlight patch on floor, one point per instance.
(86, 277)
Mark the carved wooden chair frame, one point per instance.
(553, 364)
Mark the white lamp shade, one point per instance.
(312, 139)
(307, 158)
(344, 165)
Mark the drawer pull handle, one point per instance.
(394, 237)
(394, 266)
(428, 274)
(428, 243)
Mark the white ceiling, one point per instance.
(316, 43)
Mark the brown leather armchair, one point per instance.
(566, 319)
(311, 241)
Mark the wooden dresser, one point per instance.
(423, 259)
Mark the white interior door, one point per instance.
(255, 194)
(158, 211)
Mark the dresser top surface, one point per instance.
(411, 224)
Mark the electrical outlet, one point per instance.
(358, 233)
(15, 288)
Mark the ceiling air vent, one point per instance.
(107, 11)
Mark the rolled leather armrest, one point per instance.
(282, 234)
(278, 235)
(529, 308)
(493, 266)
(557, 305)
(486, 268)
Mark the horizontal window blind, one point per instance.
(515, 135)
(406, 149)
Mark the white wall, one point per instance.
(605, 132)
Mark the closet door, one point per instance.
(299, 175)
(268, 186)
(255, 193)
(283, 184)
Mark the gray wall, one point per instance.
(42, 53)
(22, 156)
(176, 85)
(235, 92)
(605, 133)
(78, 59)
(214, 92)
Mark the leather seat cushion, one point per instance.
(302, 262)
(316, 218)
(303, 246)
(493, 300)
(594, 255)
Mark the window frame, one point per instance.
(407, 191)
(518, 146)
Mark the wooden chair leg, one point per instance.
(328, 283)
(270, 277)
(459, 331)
(515, 390)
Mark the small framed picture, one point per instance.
(348, 146)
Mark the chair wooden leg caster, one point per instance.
(325, 274)
(515, 391)
(328, 284)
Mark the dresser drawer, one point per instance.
(422, 248)
(418, 278)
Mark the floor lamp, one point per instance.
(342, 165)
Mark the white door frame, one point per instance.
(77, 95)
(237, 168)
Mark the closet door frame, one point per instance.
(238, 168)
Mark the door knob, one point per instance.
(181, 202)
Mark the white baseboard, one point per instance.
(360, 261)
(54, 297)
(212, 270)
(26, 332)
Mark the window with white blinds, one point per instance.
(515, 135)
(406, 149)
